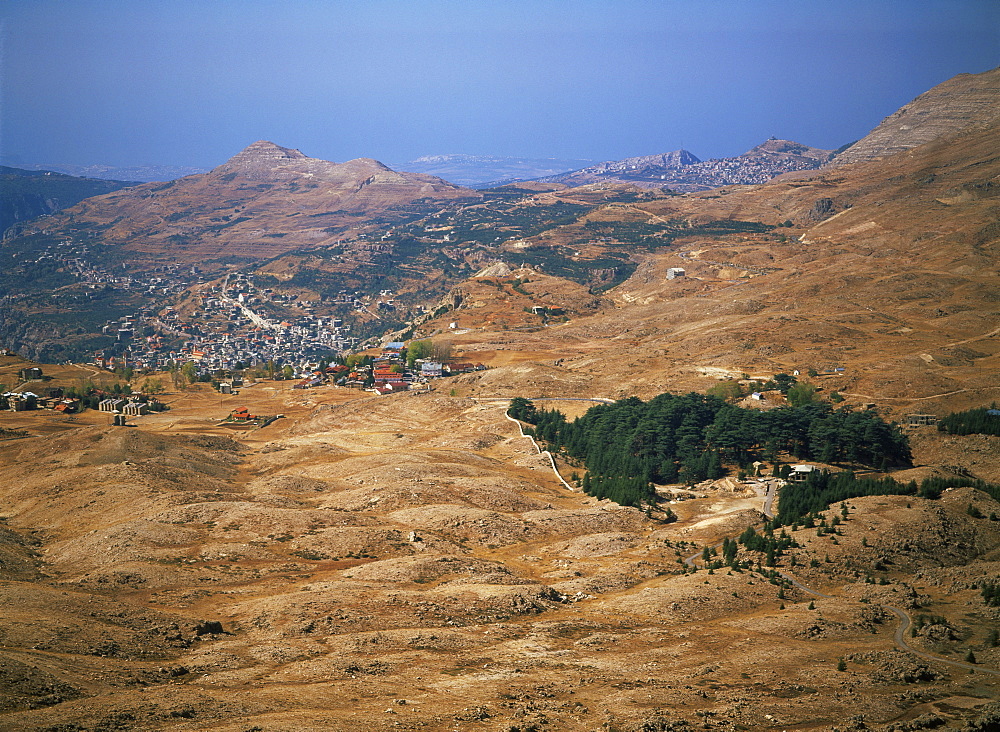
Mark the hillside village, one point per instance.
(229, 326)
(381, 371)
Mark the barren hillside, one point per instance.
(411, 562)
(265, 201)
(885, 277)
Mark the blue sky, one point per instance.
(191, 82)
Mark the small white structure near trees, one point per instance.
(800, 473)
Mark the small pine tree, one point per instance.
(970, 657)
(812, 605)
(841, 665)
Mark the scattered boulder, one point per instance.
(208, 627)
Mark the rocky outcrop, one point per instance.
(674, 159)
(497, 269)
(822, 209)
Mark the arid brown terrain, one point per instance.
(243, 207)
(413, 562)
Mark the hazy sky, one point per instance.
(191, 82)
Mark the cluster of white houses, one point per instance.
(228, 328)
(386, 374)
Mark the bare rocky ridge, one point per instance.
(964, 101)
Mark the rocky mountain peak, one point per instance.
(672, 159)
(266, 161)
(266, 150)
(261, 159)
(683, 171)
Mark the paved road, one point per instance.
(256, 319)
(769, 493)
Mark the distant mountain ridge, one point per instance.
(27, 194)
(263, 201)
(136, 173)
(674, 159)
(682, 171)
(481, 171)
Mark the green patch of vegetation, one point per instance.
(982, 421)
(310, 555)
(338, 212)
(822, 488)
(630, 444)
(506, 193)
(991, 593)
(601, 273)
(509, 218)
(662, 234)
(226, 224)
